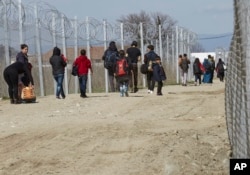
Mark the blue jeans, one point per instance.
(83, 83)
(59, 87)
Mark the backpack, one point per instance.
(110, 58)
(74, 71)
(220, 67)
(184, 64)
(208, 66)
(197, 69)
(151, 58)
(144, 69)
(121, 67)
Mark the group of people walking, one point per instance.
(122, 68)
(207, 69)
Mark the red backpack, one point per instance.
(121, 67)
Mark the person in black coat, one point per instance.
(11, 77)
(159, 74)
(220, 70)
(197, 71)
(58, 63)
(113, 53)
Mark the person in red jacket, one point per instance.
(83, 64)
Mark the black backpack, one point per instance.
(197, 69)
(110, 58)
(220, 67)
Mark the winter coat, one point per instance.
(57, 62)
(197, 68)
(83, 64)
(158, 72)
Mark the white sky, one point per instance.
(200, 16)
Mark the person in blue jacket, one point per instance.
(159, 74)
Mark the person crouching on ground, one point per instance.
(83, 64)
(11, 77)
(159, 74)
(121, 70)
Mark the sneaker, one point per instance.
(58, 97)
(151, 92)
(159, 94)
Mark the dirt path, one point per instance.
(182, 132)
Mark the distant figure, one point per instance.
(11, 77)
(58, 64)
(159, 74)
(83, 64)
(220, 70)
(183, 64)
(121, 70)
(149, 59)
(212, 62)
(208, 71)
(134, 55)
(110, 56)
(197, 69)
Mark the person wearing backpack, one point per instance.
(159, 74)
(149, 60)
(220, 70)
(121, 70)
(184, 66)
(197, 69)
(84, 64)
(134, 55)
(110, 56)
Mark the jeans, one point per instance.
(59, 87)
(83, 84)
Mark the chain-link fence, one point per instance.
(41, 26)
(238, 83)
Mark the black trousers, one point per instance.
(221, 76)
(151, 81)
(11, 78)
(133, 76)
(160, 84)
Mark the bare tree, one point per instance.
(197, 47)
(150, 21)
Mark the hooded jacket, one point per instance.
(57, 62)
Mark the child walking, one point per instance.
(159, 74)
(121, 70)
